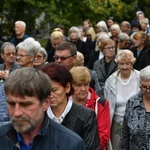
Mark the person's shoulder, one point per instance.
(4, 129)
(82, 110)
(63, 133)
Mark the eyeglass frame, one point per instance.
(110, 48)
(61, 57)
(22, 56)
(145, 88)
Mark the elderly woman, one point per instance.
(27, 51)
(8, 52)
(40, 58)
(141, 50)
(115, 31)
(86, 96)
(135, 132)
(97, 53)
(118, 88)
(77, 118)
(74, 37)
(106, 66)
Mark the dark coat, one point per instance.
(16, 41)
(53, 137)
(83, 121)
(143, 59)
(94, 55)
(82, 47)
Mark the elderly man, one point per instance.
(28, 97)
(20, 35)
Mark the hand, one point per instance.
(3, 74)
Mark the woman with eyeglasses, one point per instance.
(27, 51)
(135, 133)
(119, 87)
(40, 58)
(8, 52)
(106, 66)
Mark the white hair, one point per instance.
(21, 22)
(145, 73)
(30, 46)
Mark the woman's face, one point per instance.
(86, 24)
(114, 32)
(138, 41)
(109, 50)
(125, 66)
(80, 91)
(145, 88)
(59, 94)
(39, 59)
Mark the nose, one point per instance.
(17, 110)
(83, 87)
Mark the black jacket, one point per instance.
(83, 121)
(53, 137)
(143, 59)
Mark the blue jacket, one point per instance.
(53, 137)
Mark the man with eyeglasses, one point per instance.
(66, 53)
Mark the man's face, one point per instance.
(65, 58)
(26, 113)
(19, 29)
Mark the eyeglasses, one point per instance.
(10, 53)
(38, 57)
(20, 55)
(110, 48)
(145, 88)
(61, 58)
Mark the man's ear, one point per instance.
(46, 103)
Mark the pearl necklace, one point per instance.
(125, 81)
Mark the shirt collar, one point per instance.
(63, 115)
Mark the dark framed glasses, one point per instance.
(62, 58)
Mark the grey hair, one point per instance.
(21, 22)
(42, 50)
(123, 37)
(74, 28)
(30, 46)
(101, 25)
(116, 27)
(145, 73)
(7, 46)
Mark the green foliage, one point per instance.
(67, 12)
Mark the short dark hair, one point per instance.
(28, 81)
(59, 73)
(67, 46)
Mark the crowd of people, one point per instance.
(88, 90)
